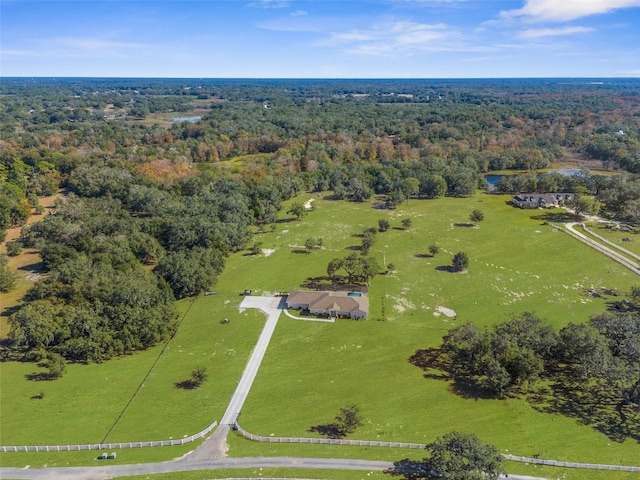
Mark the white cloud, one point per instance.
(93, 44)
(80, 47)
(565, 10)
(553, 32)
(298, 13)
(399, 37)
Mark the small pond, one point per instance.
(192, 119)
(492, 180)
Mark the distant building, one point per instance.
(541, 200)
(333, 304)
(620, 133)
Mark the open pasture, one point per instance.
(518, 262)
(134, 398)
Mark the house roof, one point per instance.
(327, 301)
(546, 197)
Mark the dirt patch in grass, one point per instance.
(403, 304)
(447, 312)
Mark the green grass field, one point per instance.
(236, 164)
(518, 262)
(133, 398)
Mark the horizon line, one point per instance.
(319, 78)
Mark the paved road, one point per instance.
(216, 445)
(603, 248)
(107, 472)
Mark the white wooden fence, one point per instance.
(369, 443)
(108, 446)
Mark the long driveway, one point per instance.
(270, 306)
(216, 445)
(602, 247)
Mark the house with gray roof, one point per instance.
(333, 304)
(541, 200)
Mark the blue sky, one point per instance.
(321, 39)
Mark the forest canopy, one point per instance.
(149, 206)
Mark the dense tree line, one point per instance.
(355, 138)
(155, 208)
(97, 299)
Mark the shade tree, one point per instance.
(460, 261)
(453, 456)
(8, 277)
(358, 268)
(297, 209)
(476, 216)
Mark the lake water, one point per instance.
(492, 180)
(193, 119)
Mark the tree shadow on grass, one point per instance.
(37, 267)
(556, 217)
(423, 255)
(332, 197)
(40, 377)
(469, 390)
(6, 312)
(8, 353)
(186, 385)
(429, 360)
(318, 283)
(590, 406)
(464, 224)
(301, 251)
(408, 469)
(330, 430)
(447, 268)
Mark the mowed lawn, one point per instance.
(311, 369)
